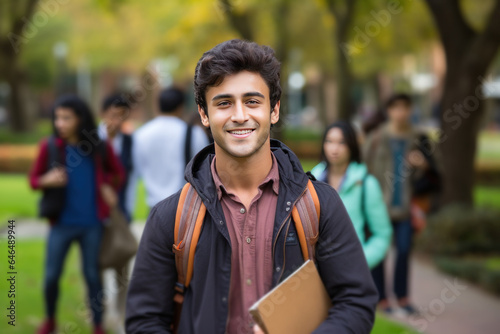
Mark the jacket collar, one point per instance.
(291, 175)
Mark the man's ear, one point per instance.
(275, 113)
(204, 117)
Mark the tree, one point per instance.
(468, 55)
(343, 11)
(16, 29)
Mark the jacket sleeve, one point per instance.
(343, 269)
(378, 223)
(150, 306)
(115, 173)
(39, 166)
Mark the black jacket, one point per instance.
(339, 257)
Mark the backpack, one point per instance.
(189, 220)
(53, 199)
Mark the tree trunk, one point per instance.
(19, 117)
(18, 13)
(468, 56)
(343, 12)
(345, 107)
(461, 114)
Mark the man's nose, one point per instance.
(239, 114)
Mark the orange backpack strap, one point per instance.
(188, 222)
(305, 214)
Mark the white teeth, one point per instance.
(241, 132)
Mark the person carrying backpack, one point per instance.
(82, 176)
(341, 167)
(242, 231)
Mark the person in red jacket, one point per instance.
(91, 175)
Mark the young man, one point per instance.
(115, 110)
(249, 184)
(164, 146)
(392, 156)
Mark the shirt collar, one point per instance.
(272, 177)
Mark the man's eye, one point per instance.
(223, 103)
(252, 102)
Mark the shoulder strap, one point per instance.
(127, 151)
(188, 222)
(187, 144)
(305, 214)
(53, 152)
(363, 208)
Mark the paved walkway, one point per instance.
(447, 305)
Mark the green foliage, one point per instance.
(487, 197)
(484, 271)
(42, 129)
(458, 231)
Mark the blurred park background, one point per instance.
(341, 59)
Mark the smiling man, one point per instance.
(247, 245)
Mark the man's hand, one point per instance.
(54, 178)
(109, 195)
(257, 330)
(417, 159)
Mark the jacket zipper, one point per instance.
(284, 254)
(279, 231)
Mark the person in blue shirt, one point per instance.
(392, 155)
(88, 171)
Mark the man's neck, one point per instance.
(399, 129)
(242, 176)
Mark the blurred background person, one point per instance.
(91, 175)
(342, 168)
(114, 112)
(163, 147)
(392, 156)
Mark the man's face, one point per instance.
(239, 114)
(399, 112)
(113, 118)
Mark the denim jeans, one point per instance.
(60, 239)
(403, 239)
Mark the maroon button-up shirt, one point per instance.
(251, 233)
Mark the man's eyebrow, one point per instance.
(222, 96)
(253, 94)
(228, 96)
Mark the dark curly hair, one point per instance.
(232, 57)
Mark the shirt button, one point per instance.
(224, 299)
(249, 281)
(278, 268)
(242, 210)
(249, 240)
(288, 203)
(220, 222)
(287, 209)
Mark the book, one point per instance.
(298, 305)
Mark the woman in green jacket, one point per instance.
(361, 193)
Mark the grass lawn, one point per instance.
(72, 311)
(29, 302)
(488, 146)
